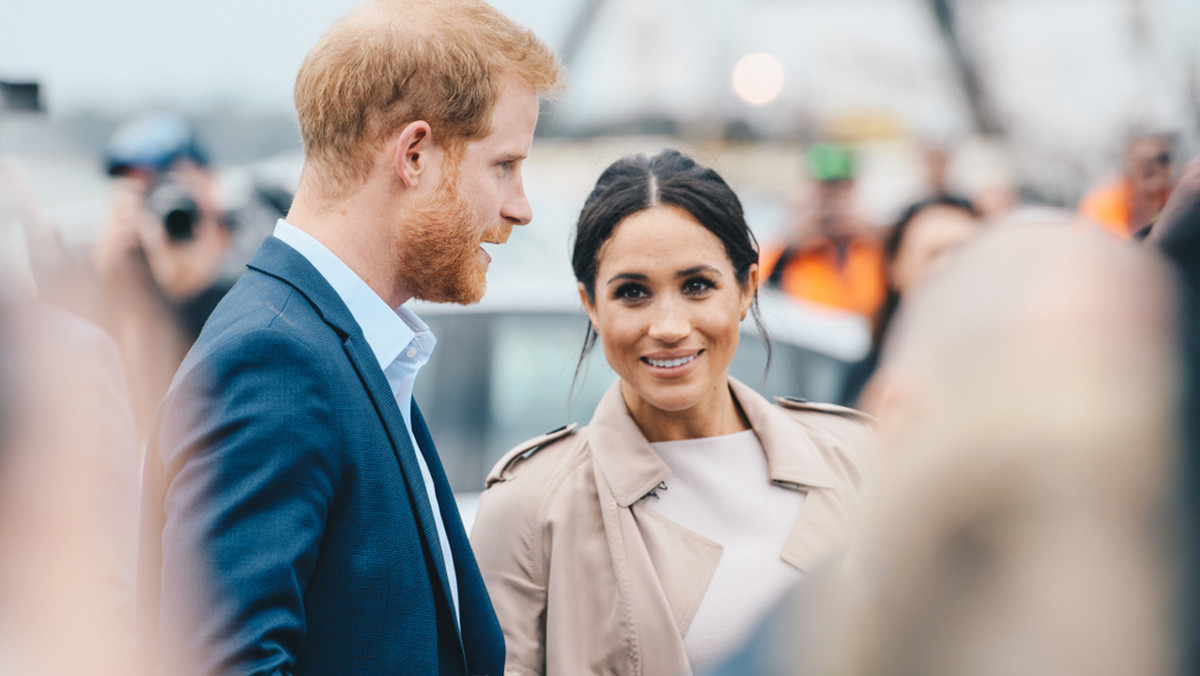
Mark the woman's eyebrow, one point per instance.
(687, 272)
(697, 268)
(635, 276)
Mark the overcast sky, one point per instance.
(122, 54)
(1060, 68)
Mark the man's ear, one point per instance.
(587, 305)
(413, 152)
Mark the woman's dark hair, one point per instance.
(635, 183)
(891, 247)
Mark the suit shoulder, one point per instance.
(548, 447)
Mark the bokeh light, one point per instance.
(758, 78)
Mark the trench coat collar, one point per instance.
(633, 469)
(792, 457)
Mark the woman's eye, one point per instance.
(630, 292)
(696, 285)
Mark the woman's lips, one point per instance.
(672, 366)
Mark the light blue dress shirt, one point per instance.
(401, 342)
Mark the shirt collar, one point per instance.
(387, 331)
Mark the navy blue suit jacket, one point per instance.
(286, 527)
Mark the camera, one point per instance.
(175, 208)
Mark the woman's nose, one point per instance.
(670, 324)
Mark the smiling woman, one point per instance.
(668, 314)
(655, 539)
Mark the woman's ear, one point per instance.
(749, 288)
(587, 304)
(413, 152)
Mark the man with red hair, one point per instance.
(296, 517)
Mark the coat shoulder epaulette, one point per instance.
(523, 451)
(798, 404)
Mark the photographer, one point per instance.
(168, 252)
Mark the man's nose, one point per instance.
(516, 209)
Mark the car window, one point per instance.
(532, 367)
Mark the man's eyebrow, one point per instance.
(512, 155)
(635, 276)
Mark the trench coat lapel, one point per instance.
(796, 460)
(623, 456)
(628, 468)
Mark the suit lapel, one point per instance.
(483, 641)
(385, 404)
(279, 260)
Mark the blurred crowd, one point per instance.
(90, 343)
(1032, 377)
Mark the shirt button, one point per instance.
(412, 352)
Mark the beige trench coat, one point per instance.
(585, 580)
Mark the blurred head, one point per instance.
(1059, 316)
(392, 62)
(667, 268)
(1148, 159)
(916, 245)
(160, 165)
(1019, 525)
(925, 233)
(831, 168)
(152, 144)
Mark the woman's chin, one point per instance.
(669, 400)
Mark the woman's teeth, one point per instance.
(670, 363)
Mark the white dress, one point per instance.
(719, 488)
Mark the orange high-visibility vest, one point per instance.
(857, 282)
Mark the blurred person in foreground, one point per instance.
(1134, 200)
(68, 475)
(296, 517)
(1177, 234)
(921, 240)
(830, 258)
(653, 540)
(169, 251)
(1021, 523)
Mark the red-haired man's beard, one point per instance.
(439, 248)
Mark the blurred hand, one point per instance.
(19, 208)
(16, 197)
(184, 268)
(135, 243)
(118, 255)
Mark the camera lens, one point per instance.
(175, 208)
(180, 223)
